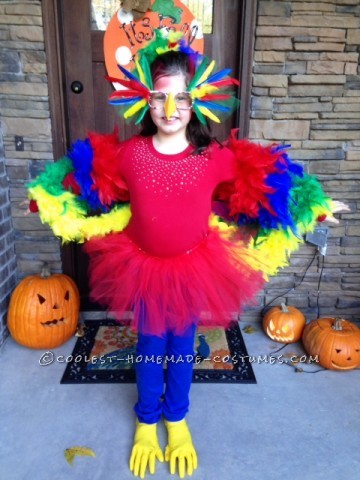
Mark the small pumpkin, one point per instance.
(44, 310)
(335, 341)
(284, 324)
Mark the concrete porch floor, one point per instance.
(289, 425)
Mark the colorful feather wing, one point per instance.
(272, 193)
(83, 194)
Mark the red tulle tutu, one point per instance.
(205, 285)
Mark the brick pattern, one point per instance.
(24, 110)
(306, 92)
(7, 250)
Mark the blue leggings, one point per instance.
(152, 400)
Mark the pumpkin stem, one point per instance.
(338, 324)
(284, 308)
(45, 271)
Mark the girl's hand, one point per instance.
(337, 207)
(25, 203)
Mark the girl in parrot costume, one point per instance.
(162, 217)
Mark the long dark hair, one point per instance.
(175, 63)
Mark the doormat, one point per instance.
(107, 354)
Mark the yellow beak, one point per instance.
(170, 106)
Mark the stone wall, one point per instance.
(24, 112)
(7, 251)
(306, 92)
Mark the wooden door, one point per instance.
(79, 91)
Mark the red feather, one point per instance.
(125, 93)
(33, 206)
(69, 183)
(216, 96)
(253, 164)
(225, 83)
(131, 84)
(106, 172)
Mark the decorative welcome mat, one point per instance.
(107, 354)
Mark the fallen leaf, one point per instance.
(249, 329)
(71, 452)
(293, 357)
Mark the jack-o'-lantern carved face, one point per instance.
(335, 341)
(281, 333)
(284, 324)
(60, 310)
(44, 310)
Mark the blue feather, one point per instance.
(131, 76)
(279, 202)
(212, 105)
(294, 168)
(219, 75)
(281, 182)
(81, 155)
(124, 101)
(185, 48)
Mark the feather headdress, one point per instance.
(212, 93)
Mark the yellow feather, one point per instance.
(267, 254)
(226, 229)
(273, 251)
(115, 221)
(205, 111)
(202, 91)
(68, 220)
(141, 72)
(174, 36)
(135, 108)
(207, 72)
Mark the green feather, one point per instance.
(199, 114)
(305, 194)
(54, 173)
(147, 72)
(150, 51)
(201, 69)
(142, 114)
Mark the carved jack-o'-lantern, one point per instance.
(284, 324)
(335, 341)
(44, 310)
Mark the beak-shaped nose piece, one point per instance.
(170, 106)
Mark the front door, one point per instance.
(79, 31)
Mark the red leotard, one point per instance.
(168, 262)
(171, 194)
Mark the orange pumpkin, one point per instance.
(284, 324)
(44, 310)
(335, 341)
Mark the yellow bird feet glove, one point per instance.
(180, 448)
(146, 449)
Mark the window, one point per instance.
(103, 10)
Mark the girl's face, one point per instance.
(179, 119)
